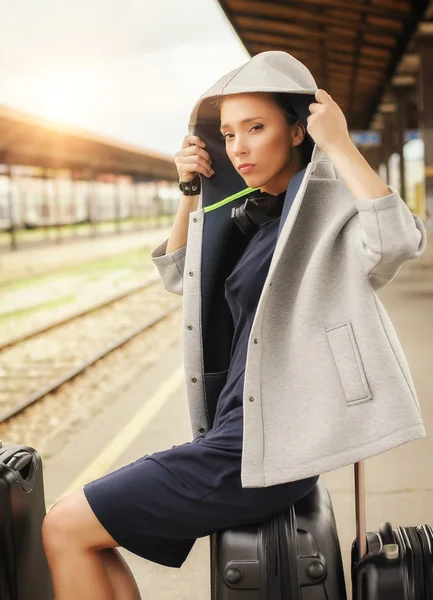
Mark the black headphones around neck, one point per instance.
(256, 211)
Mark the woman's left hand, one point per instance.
(327, 124)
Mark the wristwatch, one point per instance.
(190, 188)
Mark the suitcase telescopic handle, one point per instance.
(361, 525)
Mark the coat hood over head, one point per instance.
(273, 71)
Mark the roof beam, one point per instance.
(254, 23)
(277, 11)
(266, 42)
(395, 6)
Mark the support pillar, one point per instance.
(156, 204)
(91, 204)
(45, 207)
(22, 196)
(381, 159)
(388, 142)
(57, 207)
(402, 96)
(73, 202)
(136, 203)
(118, 201)
(12, 229)
(425, 103)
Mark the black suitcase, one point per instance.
(24, 572)
(393, 564)
(295, 555)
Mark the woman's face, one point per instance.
(256, 131)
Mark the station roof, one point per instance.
(32, 141)
(351, 48)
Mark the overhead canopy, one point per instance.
(351, 48)
(32, 141)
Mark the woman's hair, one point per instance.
(282, 100)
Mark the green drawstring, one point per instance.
(230, 198)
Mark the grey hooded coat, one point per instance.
(326, 380)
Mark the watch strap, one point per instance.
(190, 188)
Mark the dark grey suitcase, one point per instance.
(392, 564)
(295, 555)
(24, 572)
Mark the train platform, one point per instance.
(43, 259)
(152, 415)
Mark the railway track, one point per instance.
(41, 361)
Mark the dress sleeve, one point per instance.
(170, 267)
(387, 234)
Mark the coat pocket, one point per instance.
(348, 362)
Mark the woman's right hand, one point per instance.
(192, 159)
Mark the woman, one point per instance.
(265, 422)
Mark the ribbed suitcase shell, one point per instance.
(398, 564)
(295, 555)
(24, 572)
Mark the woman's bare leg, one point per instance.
(120, 575)
(74, 541)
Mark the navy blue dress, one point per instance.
(160, 504)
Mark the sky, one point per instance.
(131, 69)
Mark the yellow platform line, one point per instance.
(112, 451)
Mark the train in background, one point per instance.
(44, 197)
(60, 199)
